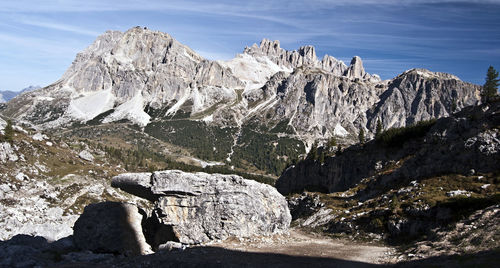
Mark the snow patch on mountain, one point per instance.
(254, 71)
(132, 110)
(172, 110)
(205, 164)
(90, 104)
(340, 131)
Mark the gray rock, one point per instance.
(86, 155)
(172, 246)
(136, 68)
(192, 208)
(138, 184)
(7, 152)
(2, 124)
(304, 205)
(356, 69)
(111, 227)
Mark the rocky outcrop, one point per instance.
(7, 152)
(467, 140)
(479, 232)
(418, 95)
(111, 227)
(192, 208)
(2, 124)
(86, 155)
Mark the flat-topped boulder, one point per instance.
(192, 208)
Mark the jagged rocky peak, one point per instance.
(306, 56)
(331, 64)
(356, 69)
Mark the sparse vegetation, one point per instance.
(203, 141)
(8, 135)
(398, 136)
(266, 152)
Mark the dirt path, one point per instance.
(301, 244)
(296, 249)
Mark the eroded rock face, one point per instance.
(456, 144)
(128, 71)
(193, 208)
(111, 227)
(142, 75)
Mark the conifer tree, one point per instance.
(361, 136)
(313, 153)
(8, 132)
(490, 88)
(378, 131)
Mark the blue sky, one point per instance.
(39, 39)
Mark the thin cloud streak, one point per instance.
(59, 27)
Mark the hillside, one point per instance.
(431, 189)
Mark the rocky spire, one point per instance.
(356, 69)
(306, 56)
(333, 65)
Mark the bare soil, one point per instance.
(301, 244)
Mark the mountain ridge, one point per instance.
(7, 95)
(151, 80)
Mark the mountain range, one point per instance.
(7, 95)
(268, 103)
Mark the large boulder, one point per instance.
(111, 227)
(193, 208)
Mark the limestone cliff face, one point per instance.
(418, 95)
(122, 74)
(126, 72)
(466, 140)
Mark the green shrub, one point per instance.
(8, 133)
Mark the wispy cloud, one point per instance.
(59, 27)
(416, 32)
(206, 6)
(47, 48)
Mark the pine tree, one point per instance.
(8, 132)
(313, 153)
(332, 142)
(490, 88)
(361, 136)
(322, 157)
(378, 131)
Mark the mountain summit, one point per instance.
(149, 79)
